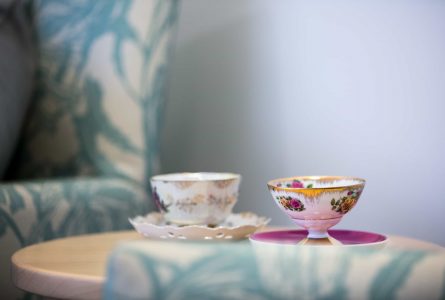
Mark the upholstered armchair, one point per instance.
(90, 139)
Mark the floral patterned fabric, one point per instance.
(38, 211)
(100, 89)
(91, 138)
(159, 270)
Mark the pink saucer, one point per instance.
(346, 237)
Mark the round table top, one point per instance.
(75, 267)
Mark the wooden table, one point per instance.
(74, 267)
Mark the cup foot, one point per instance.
(328, 241)
(317, 234)
(317, 229)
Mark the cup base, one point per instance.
(328, 241)
(317, 229)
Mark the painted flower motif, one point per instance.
(296, 184)
(222, 184)
(159, 203)
(290, 203)
(184, 184)
(345, 204)
(296, 204)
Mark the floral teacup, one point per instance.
(195, 198)
(316, 202)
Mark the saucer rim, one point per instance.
(385, 241)
(264, 222)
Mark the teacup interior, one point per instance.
(316, 182)
(201, 176)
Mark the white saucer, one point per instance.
(235, 227)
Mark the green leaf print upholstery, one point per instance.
(91, 137)
(157, 270)
(42, 210)
(100, 89)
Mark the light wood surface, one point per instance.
(74, 267)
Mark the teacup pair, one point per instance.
(195, 198)
(315, 203)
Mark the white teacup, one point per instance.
(195, 198)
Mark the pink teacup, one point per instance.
(316, 202)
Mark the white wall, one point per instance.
(282, 88)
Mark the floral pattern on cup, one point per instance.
(158, 202)
(224, 183)
(346, 203)
(290, 203)
(222, 202)
(296, 184)
(188, 204)
(183, 184)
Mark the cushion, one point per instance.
(16, 75)
(101, 80)
(174, 270)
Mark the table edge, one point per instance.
(23, 275)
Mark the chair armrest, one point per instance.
(35, 211)
(31, 212)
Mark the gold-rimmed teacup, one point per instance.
(195, 198)
(316, 203)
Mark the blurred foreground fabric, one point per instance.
(90, 139)
(171, 270)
